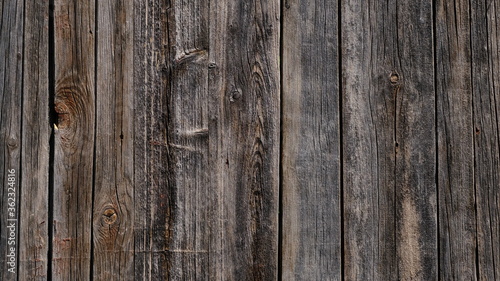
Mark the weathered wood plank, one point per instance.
(485, 80)
(370, 63)
(187, 141)
(34, 206)
(244, 138)
(74, 139)
(415, 181)
(113, 209)
(311, 179)
(457, 218)
(11, 75)
(153, 204)
(389, 147)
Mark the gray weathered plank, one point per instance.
(227, 212)
(34, 206)
(457, 219)
(311, 179)
(485, 80)
(11, 75)
(244, 138)
(370, 63)
(415, 181)
(389, 142)
(187, 141)
(113, 209)
(152, 203)
(73, 139)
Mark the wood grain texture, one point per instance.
(149, 144)
(113, 209)
(153, 204)
(485, 80)
(189, 248)
(457, 218)
(11, 77)
(74, 139)
(311, 179)
(415, 182)
(244, 138)
(389, 143)
(370, 88)
(34, 206)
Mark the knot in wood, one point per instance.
(235, 95)
(12, 142)
(109, 216)
(394, 78)
(63, 115)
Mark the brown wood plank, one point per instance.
(485, 80)
(370, 63)
(415, 181)
(11, 76)
(113, 209)
(153, 203)
(389, 141)
(74, 139)
(187, 140)
(457, 219)
(34, 206)
(244, 138)
(311, 142)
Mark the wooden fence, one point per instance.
(250, 140)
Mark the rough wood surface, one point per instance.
(207, 153)
(370, 88)
(457, 219)
(152, 202)
(34, 206)
(311, 181)
(389, 142)
(148, 139)
(415, 177)
(11, 77)
(244, 138)
(113, 209)
(73, 139)
(189, 248)
(485, 80)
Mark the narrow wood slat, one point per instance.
(34, 220)
(152, 202)
(457, 219)
(415, 178)
(113, 209)
(485, 80)
(187, 141)
(11, 76)
(243, 134)
(74, 139)
(370, 60)
(311, 179)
